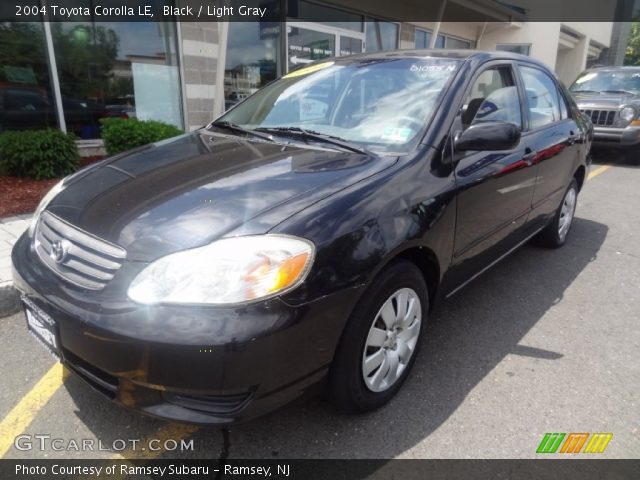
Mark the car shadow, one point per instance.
(629, 157)
(466, 338)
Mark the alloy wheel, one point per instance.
(392, 339)
(566, 213)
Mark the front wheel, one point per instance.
(555, 234)
(381, 340)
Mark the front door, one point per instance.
(308, 42)
(495, 188)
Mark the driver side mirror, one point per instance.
(488, 136)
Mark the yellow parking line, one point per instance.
(21, 416)
(598, 171)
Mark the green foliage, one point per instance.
(85, 55)
(632, 56)
(23, 46)
(38, 154)
(121, 134)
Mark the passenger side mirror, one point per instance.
(488, 136)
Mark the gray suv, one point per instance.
(610, 97)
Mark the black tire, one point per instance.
(551, 237)
(347, 388)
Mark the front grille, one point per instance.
(601, 117)
(76, 256)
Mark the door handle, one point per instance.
(573, 138)
(529, 156)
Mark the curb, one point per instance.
(9, 301)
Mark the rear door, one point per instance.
(554, 137)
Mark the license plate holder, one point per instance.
(42, 326)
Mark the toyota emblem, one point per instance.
(58, 251)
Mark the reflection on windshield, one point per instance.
(382, 104)
(613, 81)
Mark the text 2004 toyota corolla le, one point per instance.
(302, 238)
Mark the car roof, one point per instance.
(464, 54)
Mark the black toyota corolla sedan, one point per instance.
(299, 241)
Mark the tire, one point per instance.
(349, 387)
(555, 234)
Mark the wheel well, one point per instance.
(428, 264)
(579, 176)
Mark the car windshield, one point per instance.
(379, 104)
(608, 81)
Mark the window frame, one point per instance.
(559, 96)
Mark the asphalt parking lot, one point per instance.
(547, 341)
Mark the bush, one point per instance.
(120, 134)
(38, 154)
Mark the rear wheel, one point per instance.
(555, 234)
(381, 340)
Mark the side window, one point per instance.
(542, 97)
(493, 97)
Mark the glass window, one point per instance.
(383, 103)
(26, 100)
(542, 97)
(521, 48)
(252, 59)
(457, 43)
(117, 69)
(422, 38)
(349, 45)
(381, 35)
(306, 46)
(493, 97)
(614, 80)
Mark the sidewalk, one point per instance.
(10, 229)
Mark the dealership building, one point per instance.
(68, 75)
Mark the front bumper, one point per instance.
(206, 365)
(622, 137)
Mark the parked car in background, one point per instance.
(29, 107)
(302, 239)
(610, 97)
(25, 107)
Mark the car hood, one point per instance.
(605, 100)
(191, 190)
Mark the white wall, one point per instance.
(543, 37)
(597, 31)
(571, 62)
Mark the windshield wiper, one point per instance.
(628, 92)
(317, 136)
(234, 127)
(584, 91)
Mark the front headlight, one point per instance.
(628, 113)
(55, 190)
(228, 271)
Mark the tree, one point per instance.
(632, 56)
(85, 54)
